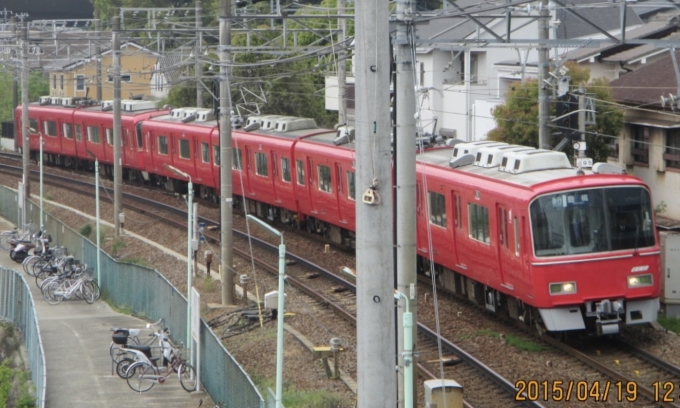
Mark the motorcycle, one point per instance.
(20, 248)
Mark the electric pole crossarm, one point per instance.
(479, 23)
(585, 20)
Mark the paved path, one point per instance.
(76, 338)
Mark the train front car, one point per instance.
(595, 256)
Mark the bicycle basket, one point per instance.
(120, 337)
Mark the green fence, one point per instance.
(146, 293)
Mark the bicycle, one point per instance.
(6, 236)
(123, 337)
(143, 375)
(78, 285)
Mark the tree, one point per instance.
(37, 86)
(517, 119)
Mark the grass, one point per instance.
(118, 245)
(670, 323)
(294, 398)
(136, 261)
(209, 285)
(86, 230)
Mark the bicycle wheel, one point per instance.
(187, 377)
(143, 376)
(123, 367)
(4, 239)
(52, 294)
(29, 263)
(92, 283)
(87, 293)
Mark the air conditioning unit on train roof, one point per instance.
(269, 122)
(204, 115)
(533, 160)
(177, 113)
(461, 149)
(55, 100)
(492, 156)
(253, 119)
(289, 124)
(44, 100)
(69, 101)
(130, 105)
(106, 104)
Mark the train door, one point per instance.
(458, 225)
(128, 148)
(312, 187)
(276, 176)
(202, 161)
(504, 254)
(341, 196)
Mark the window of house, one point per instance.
(54, 81)
(640, 148)
(93, 134)
(163, 145)
(184, 149)
(351, 187)
(236, 159)
(285, 169)
(80, 83)
(216, 155)
(68, 130)
(437, 204)
(261, 164)
(109, 136)
(123, 78)
(300, 172)
(672, 153)
(479, 222)
(79, 133)
(205, 152)
(61, 82)
(324, 178)
(50, 128)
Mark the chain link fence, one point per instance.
(145, 293)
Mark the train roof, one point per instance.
(551, 170)
(98, 108)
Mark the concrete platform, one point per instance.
(76, 339)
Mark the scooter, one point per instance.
(20, 249)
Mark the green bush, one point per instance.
(86, 230)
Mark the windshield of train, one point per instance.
(592, 220)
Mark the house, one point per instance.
(649, 145)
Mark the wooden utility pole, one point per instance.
(117, 150)
(376, 354)
(226, 199)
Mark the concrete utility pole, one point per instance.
(405, 165)
(25, 122)
(226, 199)
(376, 352)
(198, 68)
(98, 53)
(342, 67)
(582, 118)
(543, 69)
(117, 150)
(15, 82)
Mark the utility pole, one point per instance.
(198, 68)
(226, 199)
(543, 65)
(98, 53)
(342, 66)
(582, 119)
(405, 165)
(117, 156)
(25, 123)
(15, 82)
(376, 380)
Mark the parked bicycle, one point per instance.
(144, 374)
(122, 338)
(77, 284)
(15, 234)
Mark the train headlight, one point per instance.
(562, 288)
(636, 281)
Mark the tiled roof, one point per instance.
(647, 84)
(605, 15)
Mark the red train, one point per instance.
(515, 229)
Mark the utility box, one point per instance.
(670, 272)
(443, 393)
(271, 300)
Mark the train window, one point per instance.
(261, 165)
(216, 155)
(33, 124)
(184, 149)
(437, 209)
(300, 172)
(351, 189)
(285, 169)
(140, 139)
(236, 159)
(109, 136)
(79, 133)
(68, 130)
(163, 145)
(325, 178)
(205, 152)
(93, 134)
(479, 222)
(50, 128)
